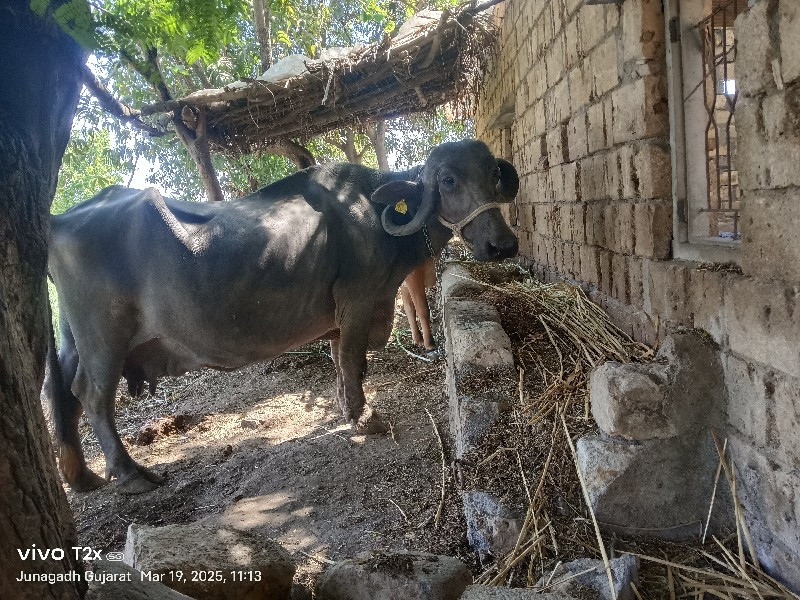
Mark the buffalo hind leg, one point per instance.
(339, 383)
(129, 476)
(65, 412)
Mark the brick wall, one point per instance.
(591, 143)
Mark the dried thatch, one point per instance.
(435, 64)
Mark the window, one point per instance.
(701, 61)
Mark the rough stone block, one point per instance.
(577, 583)
(653, 229)
(576, 135)
(680, 393)
(747, 403)
(619, 266)
(491, 592)
(770, 246)
(596, 133)
(752, 145)
(789, 27)
(572, 42)
(770, 494)
(642, 30)
(117, 581)
(590, 264)
(458, 282)
(755, 49)
(578, 221)
(555, 147)
(656, 487)
(394, 576)
(625, 232)
(635, 282)
(595, 224)
(572, 181)
(491, 528)
(653, 171)
(763, 319)
(196, 547)
(603, 61)
(668, 291)
(611, 226)
(592, 27)
(606, 277)
(640, 109)
(707, 302)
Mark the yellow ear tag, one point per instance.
(401, 207)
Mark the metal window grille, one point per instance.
(720, 93)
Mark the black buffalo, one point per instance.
(150, 286)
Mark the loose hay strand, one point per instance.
(440, 508)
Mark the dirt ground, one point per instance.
(265, 449)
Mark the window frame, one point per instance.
(688, 145)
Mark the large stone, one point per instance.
(587, 579)
(681, 392)
(491, 527)
(490, 592)
(267, 569)
(458, 282)
(629, 400)
(117, 581)
(394, 576)
(480, 369)
(655, 487)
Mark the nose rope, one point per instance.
(457, 227)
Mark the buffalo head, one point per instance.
(462, 185)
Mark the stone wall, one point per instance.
(591, 140)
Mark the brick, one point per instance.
(596, 130)
(619, 279)
(629, 180)
(590, 264)
(606, 277)
(611, 226)
(555, 58)
(540, 217)
(612, 16)
(578, 223)
(640, 109)
(595, 224)
(653, 229)
(770, 494)
(653, 171)
(592, 171)
(781, 114)
(642, 30)
(752, 144)
(635, 281)
(707, 302)
(668, 293)
(573, 47)
(605, 75)
(763, 318)
(747, 403)
(557, 181)
(789, 27)
(613, 174)
(769, 224)
(576, 135)
(580, 88)
(592, 26)
(755, 49)
(572, 174)
(625, 236)
(555, 146)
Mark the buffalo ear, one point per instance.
(402, 215)
(508, 186)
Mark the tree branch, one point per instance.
(113, 106)
(297, 153)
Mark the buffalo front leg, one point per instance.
(351, 368)
(339, 383)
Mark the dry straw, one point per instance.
(563, 336)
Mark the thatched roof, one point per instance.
(436, 62)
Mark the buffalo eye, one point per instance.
(496, 174)
(449, 181)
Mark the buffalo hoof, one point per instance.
(87, 481)
(138, 482)
(370, 423)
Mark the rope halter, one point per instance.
(457, 227)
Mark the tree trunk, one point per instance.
(376, 132)
(261, 19)
(40, 79)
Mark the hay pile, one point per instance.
(558, 336)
